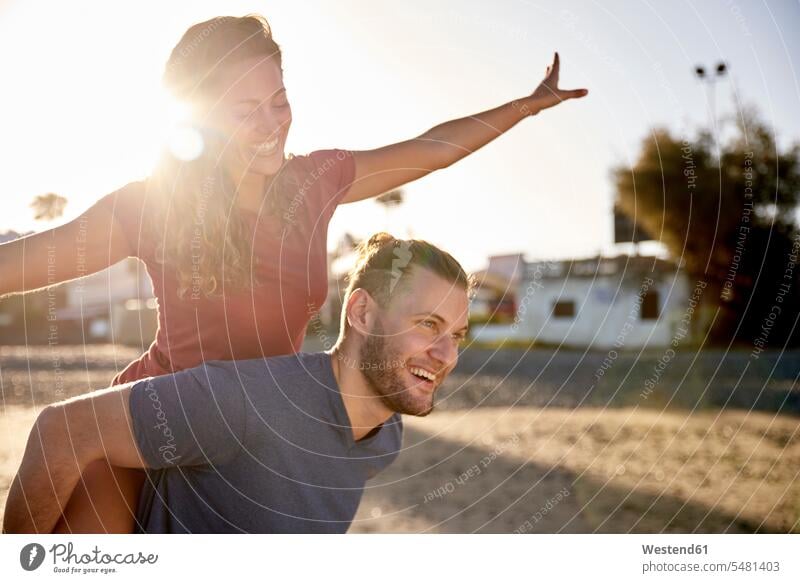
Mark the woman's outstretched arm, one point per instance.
(382, 169)
(89, 243)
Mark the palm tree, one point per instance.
(47, 207)
(391, 198)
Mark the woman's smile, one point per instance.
(267, 148)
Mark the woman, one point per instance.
(234, 239)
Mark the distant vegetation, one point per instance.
(728, 212)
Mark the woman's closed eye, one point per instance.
(246, 115)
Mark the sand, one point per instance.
(590, 470)
(523, 468)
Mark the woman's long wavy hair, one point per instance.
(200, 236)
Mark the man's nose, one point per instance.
(445, 350)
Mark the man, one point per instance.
(281, 444)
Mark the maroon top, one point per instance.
(269, 319)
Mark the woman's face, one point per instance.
(254, 111)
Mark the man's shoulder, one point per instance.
(297, 359)
(294, 392)
(299, 367)
(302, 362)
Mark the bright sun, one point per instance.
(78, 120)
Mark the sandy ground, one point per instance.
(521, 468)
(15, 424)
(590, 470)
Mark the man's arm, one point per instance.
(65, 438)
(189, 418)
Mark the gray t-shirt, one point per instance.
(255, 446)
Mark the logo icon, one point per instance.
(401, 256)
(31, 556)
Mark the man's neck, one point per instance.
(364, 408)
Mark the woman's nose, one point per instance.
(268, 124)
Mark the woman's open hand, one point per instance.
(382, 169)
(548, 94)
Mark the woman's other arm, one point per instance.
(93, 241)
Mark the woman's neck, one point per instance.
(251, 191)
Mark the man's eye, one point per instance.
(428, 323)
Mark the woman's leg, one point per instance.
(105, 501)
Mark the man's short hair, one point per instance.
(384, 267)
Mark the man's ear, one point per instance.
(361, 311)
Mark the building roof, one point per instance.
(7, 236)
(597, 267)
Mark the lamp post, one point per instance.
(711, 77)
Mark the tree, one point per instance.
(727, 213)
(390, 199)
(47, 207)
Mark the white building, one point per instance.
(601, 302)
(114, 304)
(495, 295)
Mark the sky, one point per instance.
(82, 111)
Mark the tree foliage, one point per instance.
(727, 212)
(48, 207)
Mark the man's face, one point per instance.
(414, 343)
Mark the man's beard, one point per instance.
(384, 371)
